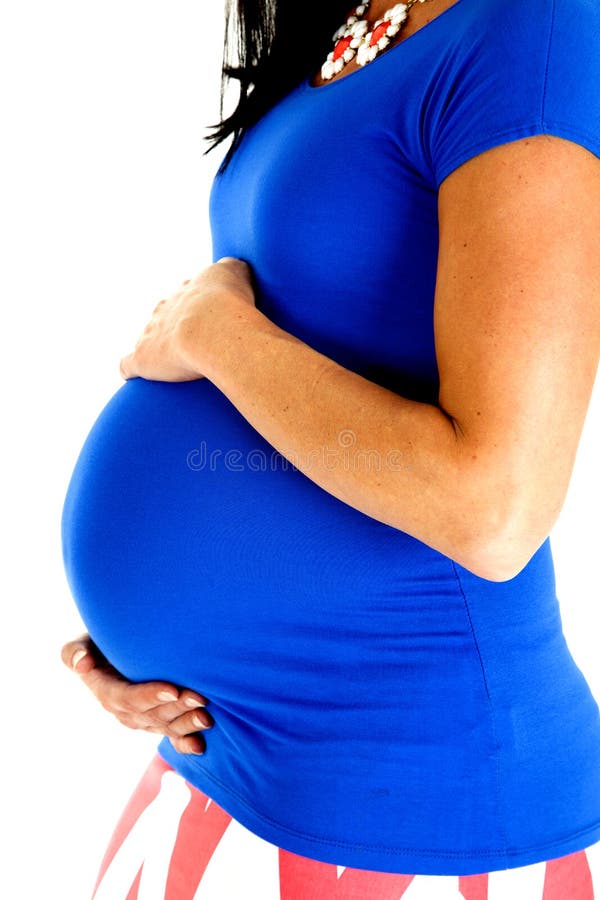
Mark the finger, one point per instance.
(165, 712)
(189, 744)
(190, 723)
(171, 700)
(191, 699)
(151, 696)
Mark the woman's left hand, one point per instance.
(158, 354)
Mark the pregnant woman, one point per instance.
(320, 504)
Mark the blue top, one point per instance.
(376, 704)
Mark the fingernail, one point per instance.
(167, 696)
(77, 657)
(193, 703)
(199, 723)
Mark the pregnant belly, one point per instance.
(197, 554)
(193, 550)
(179, 514)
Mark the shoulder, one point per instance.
(524, 34)
(510, 22)
(512, 69)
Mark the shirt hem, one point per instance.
(397, 860)
(587, 139)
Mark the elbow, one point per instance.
(502, 540)
(505, 507)
(500, 560)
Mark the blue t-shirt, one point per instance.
(376, 704)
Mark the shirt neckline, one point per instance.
(310, 88)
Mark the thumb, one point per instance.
(77, 655)
(126, 367)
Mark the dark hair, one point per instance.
(278, 43)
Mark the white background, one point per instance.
(104, 194)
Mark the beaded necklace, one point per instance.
(356, 37)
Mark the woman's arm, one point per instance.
(483, 477)
(517, 330)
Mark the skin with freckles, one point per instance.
(517, 335)
(157, 353)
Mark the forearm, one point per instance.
(397, 460)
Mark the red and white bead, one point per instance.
(348, 39)
(380, 35)
(356, 37)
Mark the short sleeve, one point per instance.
(530, 68)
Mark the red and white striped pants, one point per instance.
(174, 843)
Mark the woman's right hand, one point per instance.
(155, 706)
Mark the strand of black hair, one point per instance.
(277, 43)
